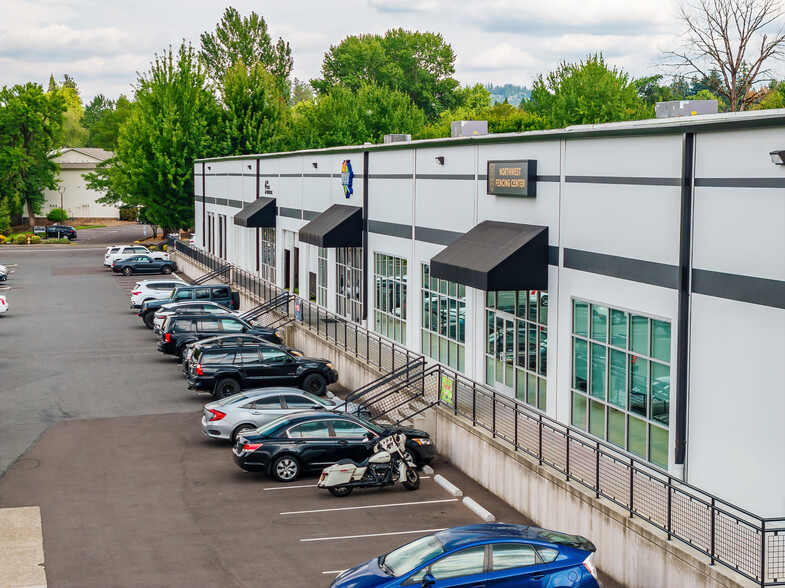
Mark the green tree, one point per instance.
(254, 114)
(244, 39)
(588, 92)
(299, 91)
(171, 123)
(342, 117)
(772, 97)
(104, 118)
(420, 65)
(74, 130)
(31, 126)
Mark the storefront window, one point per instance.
(517, 344)
(268, 254)
(621, 379)
(321, 277)
(390, 276)
(443, 320)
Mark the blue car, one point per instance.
(496, 554)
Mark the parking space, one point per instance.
(131, 493)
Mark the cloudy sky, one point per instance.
(103, 43)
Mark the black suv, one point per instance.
(225, 372)
(220, 294)
(179, 331)
(226, 341)
(61, 232)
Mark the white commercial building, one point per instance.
(626, 279)
(72, 193)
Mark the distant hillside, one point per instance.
(514, 94)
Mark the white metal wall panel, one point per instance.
(637, 157)
(445, 203)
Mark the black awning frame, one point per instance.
(496, 256)
(338, 226)
(260, 213)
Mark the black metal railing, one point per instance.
(751, 545)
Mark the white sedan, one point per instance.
(3, 305)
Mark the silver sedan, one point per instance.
(250, 409)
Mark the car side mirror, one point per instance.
(428, 580)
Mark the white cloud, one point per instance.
(62, 40)
(502, 56)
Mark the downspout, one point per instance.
(204, 210)
(366, 156)
(683, 326)
(257, 228)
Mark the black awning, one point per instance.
(497, 256)
(259, 213)
(338, 226)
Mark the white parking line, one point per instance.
(369, 506)
(373, 535)
(291, 487)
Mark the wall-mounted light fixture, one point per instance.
(249, 166)
(314, 164)
(440, 160)
(778, 157)
(208, 167)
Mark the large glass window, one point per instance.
(268, 254)
(390, 296)
(321, 277)
(516, 353)
(349, 281)
(443, 320)
(621, 378)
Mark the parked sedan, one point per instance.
(143, 264)
(310, 441)
(228, 417)
(492, 554)
(3, 305)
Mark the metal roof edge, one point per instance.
(707, 123)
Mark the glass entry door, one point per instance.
(501, 351)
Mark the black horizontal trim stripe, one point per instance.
(220, 201)
(390, 176)
(762, 291)
(290, 212)
(327, 175)
(290, 175)
(634, 270)
(310, 214)
(437, 236)
(740, 182)
(445, 176)
(235, 203)
(209, 200)
(391, 229)
(627, 181)
(553, 255)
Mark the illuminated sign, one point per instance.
(513, 178)
(347, 175)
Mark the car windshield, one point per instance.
(321, 401)
(372, 426)
(411, 556)
(232, 399)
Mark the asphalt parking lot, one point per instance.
(100, 433)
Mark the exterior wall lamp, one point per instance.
(778, 157)
(440, 159)
(314, 164)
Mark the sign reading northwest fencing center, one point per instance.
(513, 178)
(347, 177)
(448, 385)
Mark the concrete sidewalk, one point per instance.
(21, 548)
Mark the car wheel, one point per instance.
(226, 387)
(285, 468)
(166, 269)
(127, 271)
(181, 353)
(148, 319)
(241, 429)
(315, 384)
(340, 490)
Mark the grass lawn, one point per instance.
(89, 227)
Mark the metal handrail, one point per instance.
(751, 545)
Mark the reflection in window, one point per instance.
(267, 245)
(443, 320)
(621, 379)
(390, 277)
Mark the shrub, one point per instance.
(57, 215)
(21, 239)
(63, 240)
(35, 240)
(166, 247)
(153, 248)
(128, 213)
(2, 239)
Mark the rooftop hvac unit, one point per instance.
(397, 138)
(677, 108)
(469, 128)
